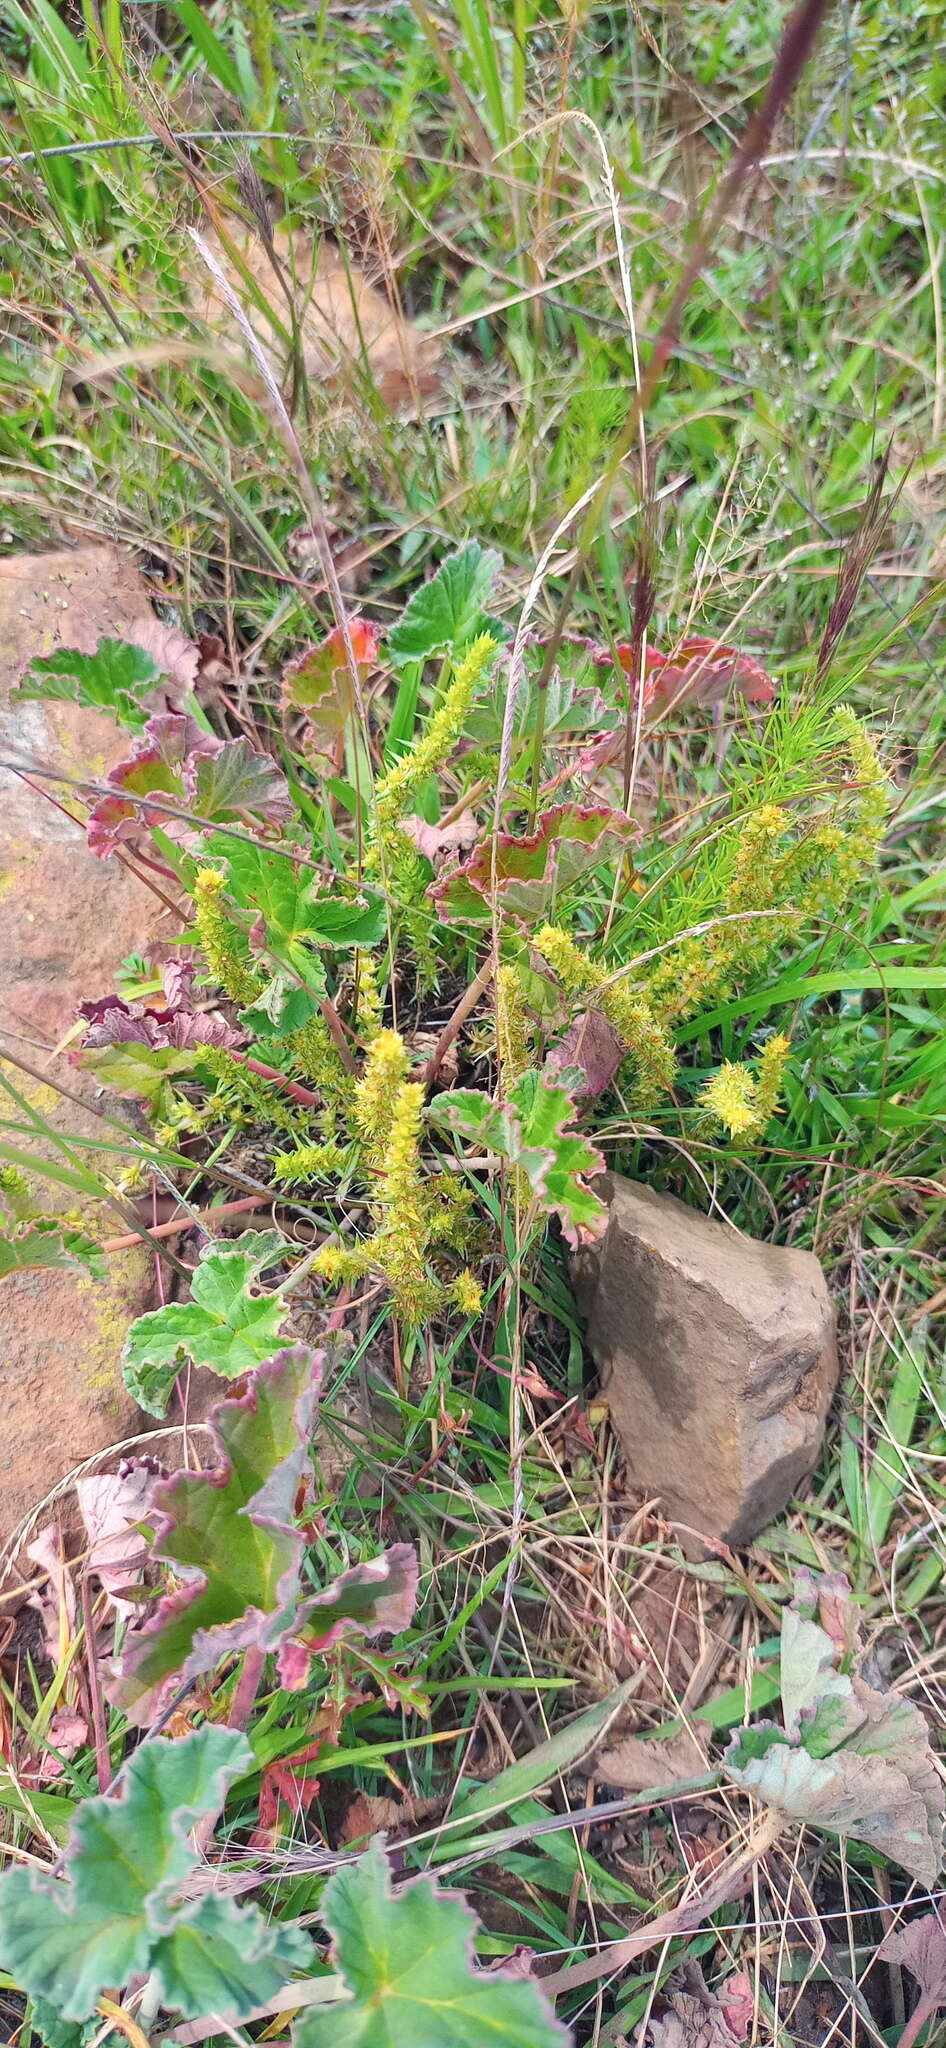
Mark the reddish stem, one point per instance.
(292, 1088)
(178, 1223)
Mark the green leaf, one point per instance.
(448, 613)
(530, 1131)
(231, 1532)
(49, 1245)
(120, 1910)
(406, 1958)
(224, 1326)
(269, 885)
(114, 678)
(144, 1071)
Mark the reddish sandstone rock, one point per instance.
(717, 1358)
(68, 919)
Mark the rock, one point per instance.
(717, 1358)
(68, 921)
(349, 329)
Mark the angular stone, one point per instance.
(717, 1358)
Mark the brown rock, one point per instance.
(348, 327)
(68, 920)
(717, 1357)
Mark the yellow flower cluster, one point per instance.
(513, 1030)
(410, 1213)
(742, 1102)
(393, 855)
(221, 943)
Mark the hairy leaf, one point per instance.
(867, 1797)
(120, 1911)
(448, 613)
(223, 781)
(226, 1325)
(116, 678)
(851, 1759)
(526, 871)
(236, 783)
(531, 1130)
(319, 683)
(232, 1525)
(406, 1958)
(920, 1947)
(50, 1244)
(231, 1532)
(701, 670)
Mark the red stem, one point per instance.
(292, 1088)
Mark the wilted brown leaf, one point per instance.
(348, 328)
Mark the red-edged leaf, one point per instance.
(233, 1531)
(700, 670)
(155, 767)
(377, 1598)
(568, 842)
(319, 683)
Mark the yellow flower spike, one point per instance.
(376, 1093)
(219, 939)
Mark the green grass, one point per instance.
(427, 142)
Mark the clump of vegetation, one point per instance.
(538, 771)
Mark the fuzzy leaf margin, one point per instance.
(407, 1962)
(120, 1911)
(231, 1531)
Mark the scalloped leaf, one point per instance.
(531, 1131)
(231, 1530)
(319, 683)
(223, 781)
(120, 1911)
(225, 1325)
(407, 1961)
(850, 1759)
(568, 842)
(445, 615)
(292, 921)
(49, 1245)
(115, 678)
(236, 783)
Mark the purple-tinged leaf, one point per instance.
(238, 783)
(377, 1598)
(569, 841)
(592, 1050)
(232, 1531)
(435, 842)
(920, 1947)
